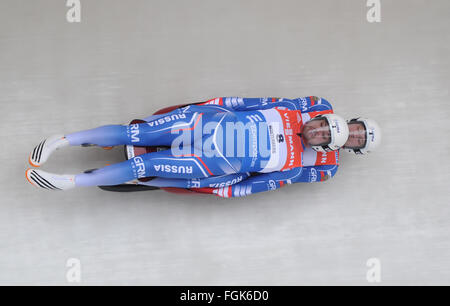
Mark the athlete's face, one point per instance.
(316, 132)
(357, 136)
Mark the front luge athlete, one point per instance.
(225, 146)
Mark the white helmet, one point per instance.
(339, 133)
(372, 133)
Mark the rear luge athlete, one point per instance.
(225, 146)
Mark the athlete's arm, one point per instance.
(305, 104)
(249, 104)
(213, 181)
(316, 174)
(273, 180)
(259, 183)
(312, 104)
(190, 108)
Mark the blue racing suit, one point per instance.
(226, 146)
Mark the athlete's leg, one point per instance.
(50, 181)
(111, 175)
(159, 132)
(161, 164)
(42, 151)
(108, 135)
(205, 158)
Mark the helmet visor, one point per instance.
(357, 135)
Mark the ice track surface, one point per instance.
(127, 59)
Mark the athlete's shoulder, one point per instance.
(329, 170)
(316, 173)
(312, 104)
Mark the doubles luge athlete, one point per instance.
(226, 146)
